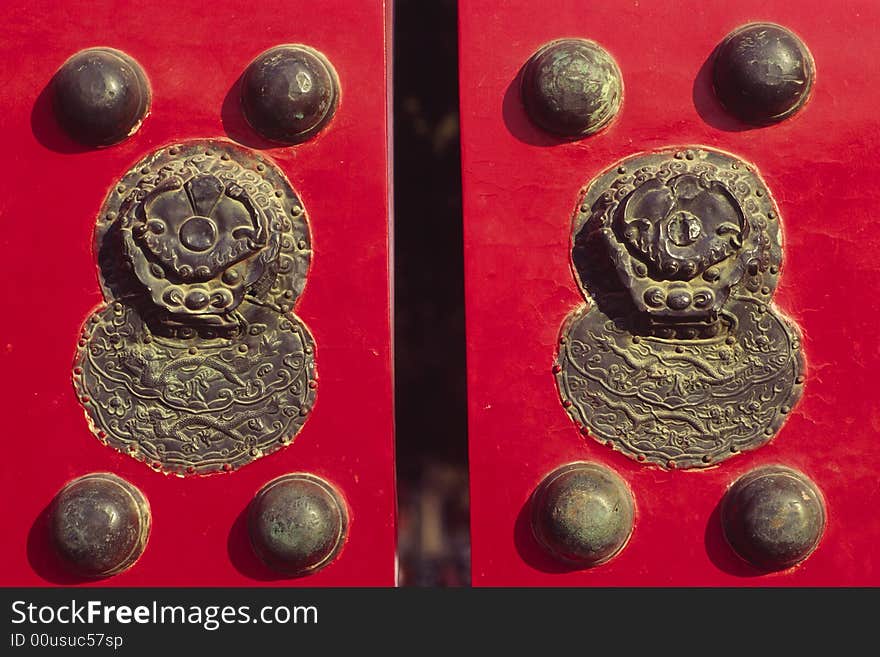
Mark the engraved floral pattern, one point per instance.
(680, 403)
(228, 403)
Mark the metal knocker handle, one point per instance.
(681, 360)
(197, 364)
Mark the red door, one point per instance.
(200, 305)
(670, 283)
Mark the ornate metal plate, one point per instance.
(680, 360)
(197, 364)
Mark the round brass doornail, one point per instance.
(99, 524)
(571, 87)
(297, 524)
(762, 73)
(773, 517)
(101, 96)
(289, 93)
(582, 514)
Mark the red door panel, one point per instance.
(193, 55)
(521, 190)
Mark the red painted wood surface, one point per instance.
(193, 54)
(520, 191)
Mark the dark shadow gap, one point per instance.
(429, 332)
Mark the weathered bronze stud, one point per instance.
(99, 524)
(763, 73)
(571, 87)
(289, 93)
(101, 96)
(773, 517)
(297, 524)
(582, 514)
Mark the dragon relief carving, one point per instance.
(197, 363)
(680, 359)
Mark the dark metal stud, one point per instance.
(101, 96)
(289, 93)
(762, 73)
(571, 87)
(297, 524)
(99, 524)
(582, 514)
(773, 517)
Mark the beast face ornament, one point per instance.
(197, 364)
(680, 359)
